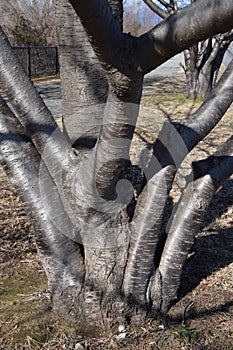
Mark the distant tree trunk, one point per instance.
(202, 64)
(203, 60)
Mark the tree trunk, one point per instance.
(102, 259)
(83, 82)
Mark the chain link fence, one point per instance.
(38, 61)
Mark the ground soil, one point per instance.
(26, 321)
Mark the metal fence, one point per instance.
(38, 60)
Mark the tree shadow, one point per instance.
(50, 92)
(152, 79)
(193, 314)
(213, 248)
(165, 83)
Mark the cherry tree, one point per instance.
(110, 250)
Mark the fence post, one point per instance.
(57, 60)
(29, 66)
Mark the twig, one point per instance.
(186, 309)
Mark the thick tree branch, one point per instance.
(221, 42)
(190, 69)
(208, 175)
(104, 165)
(163, 34)
(169, 37)
(211, 62)
(193, 129)
(145, 235)
(146, 226)
(60, 255)
(79, 62)
(99, 175)
(105, 33)
(204, 53)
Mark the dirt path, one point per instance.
(25, 318)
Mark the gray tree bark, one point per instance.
(78, 63)
(102, 259)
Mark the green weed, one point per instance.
(185, 333)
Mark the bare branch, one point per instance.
(147, 221)
(22, 164)
(208, 175)
(111, 154)
(169, 37)
(221, 42)
(193, 129)
(160, 12)
(112, 149)
(204, 52)
(171, 6)
(146, 235)
(164, 3)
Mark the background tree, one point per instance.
(28, 22)
(138, 18)
(25, 35)
(204, 59)
(104, 249)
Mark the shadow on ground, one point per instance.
(213, 247)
